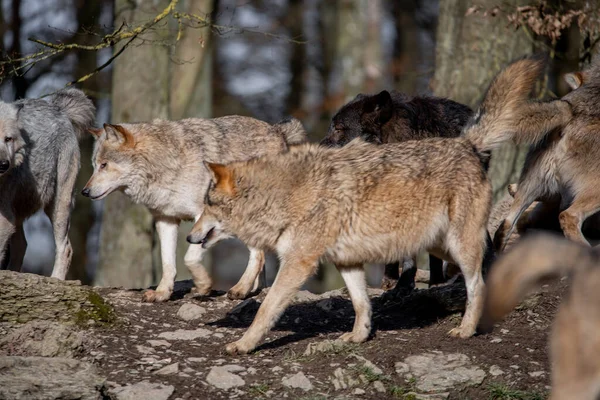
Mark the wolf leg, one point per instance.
(167, 234)
(294, 271)
(7, 229)
(573, 217)
(59, 212)
(18, 245)
(436, 268)
(193, 261)
(250, 280)
(354, 277)
(466, 246)
(523, 199)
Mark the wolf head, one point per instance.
(212, 227)
(363, 117)
(12, 142)
(113, 161)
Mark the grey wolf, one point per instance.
(563, 168)
(160, 164)
(372, 203)
(393, 117)
(39, 161)
(538, 216)
(574, 344)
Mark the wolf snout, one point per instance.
(86, 192)
(199, 238)
(4, 166)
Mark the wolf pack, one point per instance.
(394, 176)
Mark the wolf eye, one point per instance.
(8, 139)
(103, 165)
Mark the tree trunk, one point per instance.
(82, 217)
(20, 83)
(470, 51)
(191, 93)
(139, 93)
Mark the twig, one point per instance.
(122, 33)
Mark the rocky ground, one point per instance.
(175, 350)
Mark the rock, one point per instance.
(304, 296)
(44, 339)
(537, 374)
(495, 370)
(168, 370)
(37, 378)
(144, 349)
(438, 372)
(183, 334)
(379, 387)
(342, 380)
(30, 297)
(159, 343)
(223, 377)
(190, 312)
(297, 381)
(358, 391)
(142, 391)
(421, 396)
(368, 364)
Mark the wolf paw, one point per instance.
(155, 296)
(200, 291)
(352, 337)
(237, 295)
(388, 283)
(238, 348)
(461, 332)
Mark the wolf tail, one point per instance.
(536, 259)
(507, 112)
(78, 107)
(292, 131)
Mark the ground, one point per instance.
(175, 350)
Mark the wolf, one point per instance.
(563, 168)
(574, 344)
(160, 164)
(392, 117)
(39, 162)
(373, 203)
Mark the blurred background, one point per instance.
(267, 59)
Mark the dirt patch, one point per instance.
(151, 343)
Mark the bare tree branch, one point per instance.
(17, 65)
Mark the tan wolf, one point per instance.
(561, 172)
(160, 164)
(372, 203)
(574, 341)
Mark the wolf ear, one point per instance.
(574, 80)
(96, 132)
(119, 134)
(223, 177)
(381, 106)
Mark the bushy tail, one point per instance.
(536, 259)
(78, 107)
(508, 113)
(292, 131)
